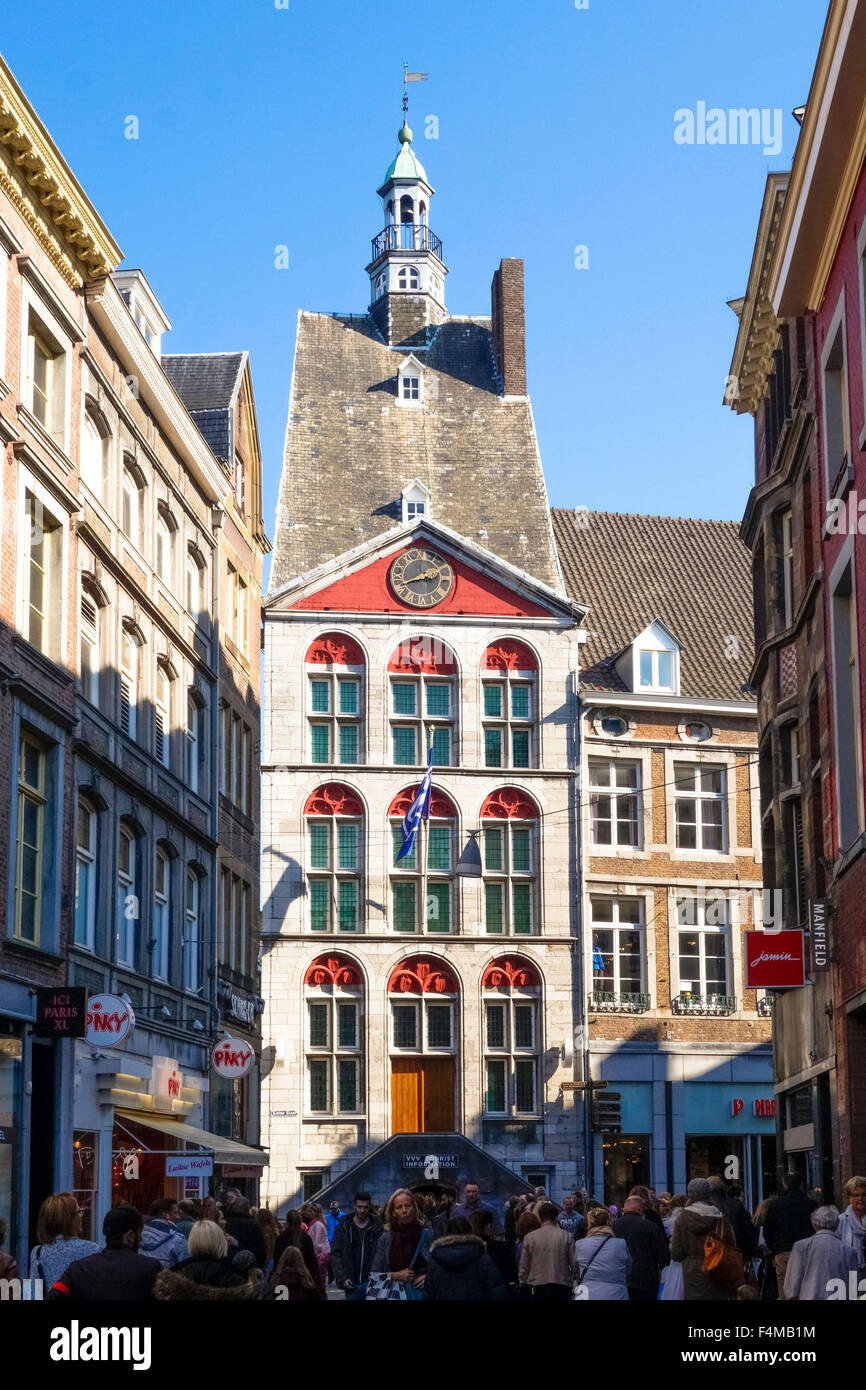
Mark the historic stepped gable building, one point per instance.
(416, 603)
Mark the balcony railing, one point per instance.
(604, 1001)
(406, 236)
(688, 1003)
(764, 1007)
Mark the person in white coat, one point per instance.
(600, 1260)
(852, 1223)
(819, 1260)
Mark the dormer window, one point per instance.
(410, 383)
(652, 661)
(656, 670)
(410, 387)
(415, 502)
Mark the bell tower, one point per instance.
(407, 273)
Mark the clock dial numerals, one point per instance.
(421, 578)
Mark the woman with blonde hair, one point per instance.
(852, 1224)
(402, 1248)
(600, 1260)
(207, 1273)
(314, 1219)
(58, 1231)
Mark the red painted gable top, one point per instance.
(472, 593)
(334, 799)
(509, 655)
(509, 803)
(440, 804)
(429, 655)
(333, 970)
(423, 975)
(510, 972)
(334, 649)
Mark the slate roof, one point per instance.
(351, 448)
(207, 383)
(695, 576)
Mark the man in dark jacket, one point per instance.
(118, 1272)
(788, 1219)
(647, 1248)
(459, 1270)
(246, 1231)
(730, 1206)
(353, 1247)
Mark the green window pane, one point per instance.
(347, 1085)
(403, 695)
(347, 1025)
(495, 1025)
(493, 907)
(318, 1025)
(348, 697)
(524, 1078)
(320, 845)
(523, 1025)
(493, 701)
(439, 848)
(403, 898)
(397, 837)
(520, 850)
(321, 743)
(347, 846)
(496, 1075)
(493, 849)
(520, 702)
(439, 700)
(439, 907)
(441, 742)
(522, 908)
(439, 1025)
(320, 904)
(318, 1069)
(349, 743)
(520, 748)
(320, 695)
(347, 899)
(404, 747)
(492, 747)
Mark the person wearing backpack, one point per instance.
(601, 1260)
(705, 1274)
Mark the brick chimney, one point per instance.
(509, 331)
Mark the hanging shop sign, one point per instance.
(240, 1007)
(188, 1165)
(232, 1058)
(820, 939)
(775, 960)
(61, 1013)
(108, 1020)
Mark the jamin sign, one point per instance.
(232, 1058)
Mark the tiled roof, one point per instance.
(695, 576)
(204, 380)
(351, 448)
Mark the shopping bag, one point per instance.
(381, 1288)
(672, 1282)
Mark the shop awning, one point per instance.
(224, 1150)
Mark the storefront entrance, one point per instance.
(422, 1095)
(626, 1164)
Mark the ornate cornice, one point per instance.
(758, 333)
(42, 188)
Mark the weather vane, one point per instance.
(407, 78)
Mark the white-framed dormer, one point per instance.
(415, 502)
(410, 382)
(651, 663)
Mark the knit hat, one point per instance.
(699, 1190)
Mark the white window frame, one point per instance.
(193, 734)
(701, 797)
(192, 933)
(836, 333)
(38, 324)
(125, 932)
(415, 502)
(94, 467)
(611, 790)
(89, 633)
(161, 915)
(164, 546)
(85, 877)
(703, 928)
(35, 794)
(55, 602)
(615, 926)
(130, 682)
(787, 559)
(162, 709)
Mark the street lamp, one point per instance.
(469, 863)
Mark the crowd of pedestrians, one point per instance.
(701, 1245)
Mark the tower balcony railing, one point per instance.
(406, 236)
(689, 1003)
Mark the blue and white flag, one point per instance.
(418, 811)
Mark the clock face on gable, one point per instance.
(421, 577)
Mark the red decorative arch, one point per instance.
(334, 649)
(423, 975)
(510, 972)
(334, 970)
(440, 804)
(423, 655)
(334, 799)
(509, 655)
(508, 803)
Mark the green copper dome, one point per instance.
(407, 165)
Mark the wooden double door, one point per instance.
(422, 1095)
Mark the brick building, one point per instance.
(669, 851)
(422, 1017)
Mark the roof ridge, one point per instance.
(646, 516)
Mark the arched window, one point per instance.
(194, 740)
(510, 692)
(127, 910)
(408, 278)
(85, 876)
(423, 993)
(165, 532)
(422, 883)
(162, 715)
(334, 995)
(161, 915)
(194, 582)
(129, 682)
(94, 452)
(423, 699)
(510, 848)
(89, 661)
(335, 675)
(192, 933)
(132, 512)
(335, 825)
(511, 996)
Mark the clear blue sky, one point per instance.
(262, 126)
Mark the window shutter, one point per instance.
(160, 736)
(125, 697)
